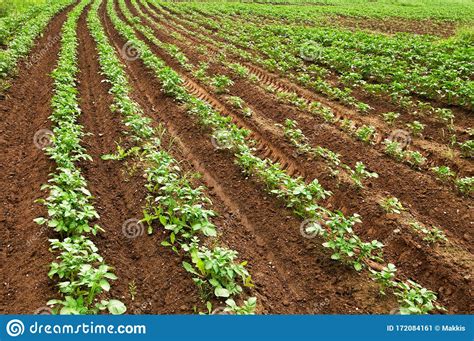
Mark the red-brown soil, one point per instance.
(24, 168)
(435, 130)
(292, 274)
(421, 189)
(376, 225)
(162, 285)
(271, 237)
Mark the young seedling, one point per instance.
(236, 102)
(435, 235)
(415, 300)
(465, 185)
(347, 125)
(346, 245)
(351, 78)
(431, 235)
(365, 133)
(132, 289)
(394, 149)
(385, 278)
(467, 148)
(392, 205)
(121, 154)
(415, 158)
(443, 173)
(247, 112)
(416, 127)
(327, 114)
(221, 83)
(247, 308)
(202, 49)
(216, 270)
(83, 277)
(390, 117)
(240, 70)
(201, 72)
(452, 140)
(359, 173)
(445, 115)
(177, 36)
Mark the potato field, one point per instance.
(279, 157)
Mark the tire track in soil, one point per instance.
(221, 201)
(434, 150)
(428, 261)
(24, 245)
(343, 111)
(264, 147)
(162, 284)
(336, 289)
(433, 129)
(418, 193)
(381, 103)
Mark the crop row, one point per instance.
(81, 272)
(270, 52)
(278, 56)
(366, 133)
(291, 131)
(313, 15)
(220, 83)
(23, 40)
(172, 201)
(402, 60)
(334, 227)
(13, 22)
